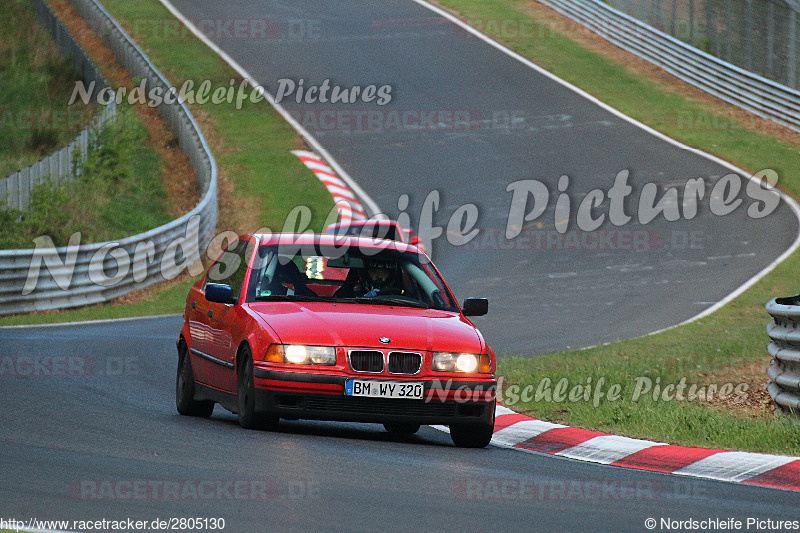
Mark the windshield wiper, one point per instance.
(393, 300)
(288, 298)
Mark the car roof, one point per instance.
(377, 222)
(328, 239)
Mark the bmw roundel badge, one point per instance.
(385, 340)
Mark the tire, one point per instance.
(401, 429)
(472, 435)
(249, 418)
(184, 389)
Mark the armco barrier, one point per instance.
(90, 272)
(724, 80)
(58, 166)
(784, 370)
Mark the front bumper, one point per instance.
(300, 395)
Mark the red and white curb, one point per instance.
(347, 204)
(518, 431)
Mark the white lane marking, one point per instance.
(785, 197)
(562, 275)
(370, 203)
(89, 322)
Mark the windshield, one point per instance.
(370, 276)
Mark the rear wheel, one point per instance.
(249, 418)
(401, 428)
(184, 389)
(472, 435)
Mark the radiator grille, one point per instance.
(366, 361)
(404, 362)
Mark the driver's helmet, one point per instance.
(379, 274)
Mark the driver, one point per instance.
(379, 277)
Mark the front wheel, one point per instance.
(249, 418)
(184, 389)
(472, 435)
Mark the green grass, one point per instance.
(164, 299)
(35, 85)
(711, 350)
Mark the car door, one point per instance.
(215, 363)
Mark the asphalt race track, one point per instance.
(546, 293)
(75, 442)
(90, 429)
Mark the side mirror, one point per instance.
(219, 293)
(475, 306)
(414, 241)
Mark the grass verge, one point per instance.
(33, 77)
(698, 385)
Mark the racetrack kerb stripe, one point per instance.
(559, 439)
(785, 477)
(667, 458)
(346, 201)
(583, 444)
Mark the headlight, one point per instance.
(466, 362)
(461, 362)
(300, 354)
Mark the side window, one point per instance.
(231, 267)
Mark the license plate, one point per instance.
(383, 389)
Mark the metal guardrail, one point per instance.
(784, 370)
(89, 272)
(724, 80)
(58, 166)
(760, 36)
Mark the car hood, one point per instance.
(359, 325)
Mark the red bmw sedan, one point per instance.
(330, 327)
